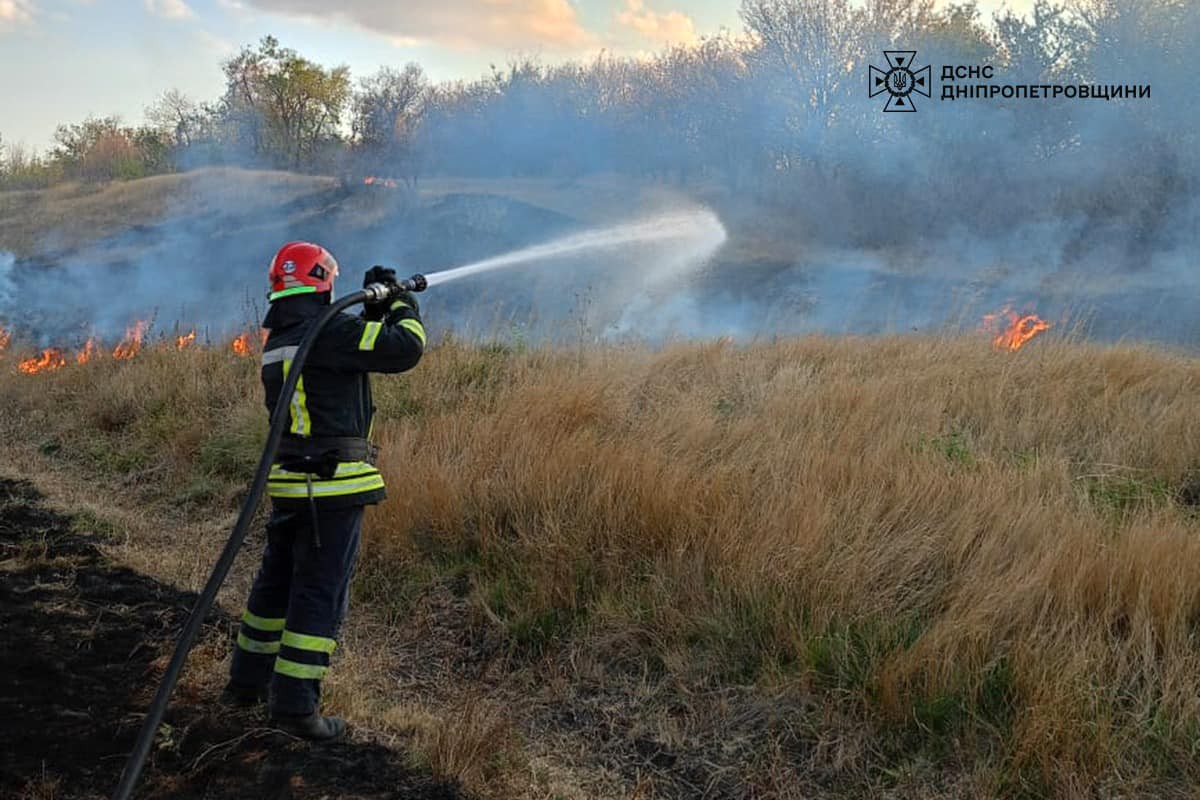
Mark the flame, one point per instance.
(371, 180)
(241, 345)
(1012, 330)
(132, 343)
(90, 351)
(50, 359)
(5, 336)
(182, 342)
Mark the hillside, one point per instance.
(903, 567)
(44, 224)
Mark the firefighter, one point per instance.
(323, 478)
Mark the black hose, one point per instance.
(137, 758)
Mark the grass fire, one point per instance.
(136, 338)
(1013, 331)
(50, 359)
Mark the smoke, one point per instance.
(7, 287)
(530, 268)
(204, 270)
(839, 218)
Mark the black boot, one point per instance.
(234, 696)
(314, 726)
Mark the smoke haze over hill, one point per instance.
(840, 217)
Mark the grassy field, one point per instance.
(910, 567)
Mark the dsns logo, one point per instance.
(900, 81)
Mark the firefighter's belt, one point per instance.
(320, 455)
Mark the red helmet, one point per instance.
(301, 268)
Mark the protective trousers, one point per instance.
(296, 606)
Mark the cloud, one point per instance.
(236, 9)
(171, 9)
(666, 28)
(215, 44)
(15, 12)
(468, 24)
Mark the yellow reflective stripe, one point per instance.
(369, 335)
(347, 469)
(255, 646)
(302, 641)
(304, 672)
(399, 304)
(268, 624)
(416, 327)
(294, 490)
(301, 424)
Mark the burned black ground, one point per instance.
(84, 644)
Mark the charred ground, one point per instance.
(85, 642)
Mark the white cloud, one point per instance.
(15, 12)
(659, 27)
(215, 44)
(171, 9)
(237, 9)
(541, 24)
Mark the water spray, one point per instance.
(698, 228)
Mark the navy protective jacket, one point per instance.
(330, 415)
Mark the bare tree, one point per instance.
(386, 116)
(814, 41)
(176, 115)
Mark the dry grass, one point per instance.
(984, 561)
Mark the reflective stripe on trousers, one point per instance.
(296, 606)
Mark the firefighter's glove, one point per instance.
(377, 274)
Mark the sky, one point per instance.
(62, 60)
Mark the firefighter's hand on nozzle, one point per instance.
(378, 274)
(387, 277)
(380, 283)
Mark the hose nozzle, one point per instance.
(379, 292)
(416, 283)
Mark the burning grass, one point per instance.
(136, 335)
(969, 562)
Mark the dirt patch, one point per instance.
(85, 642)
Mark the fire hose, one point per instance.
(375, 293)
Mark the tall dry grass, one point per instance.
(985, 557)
